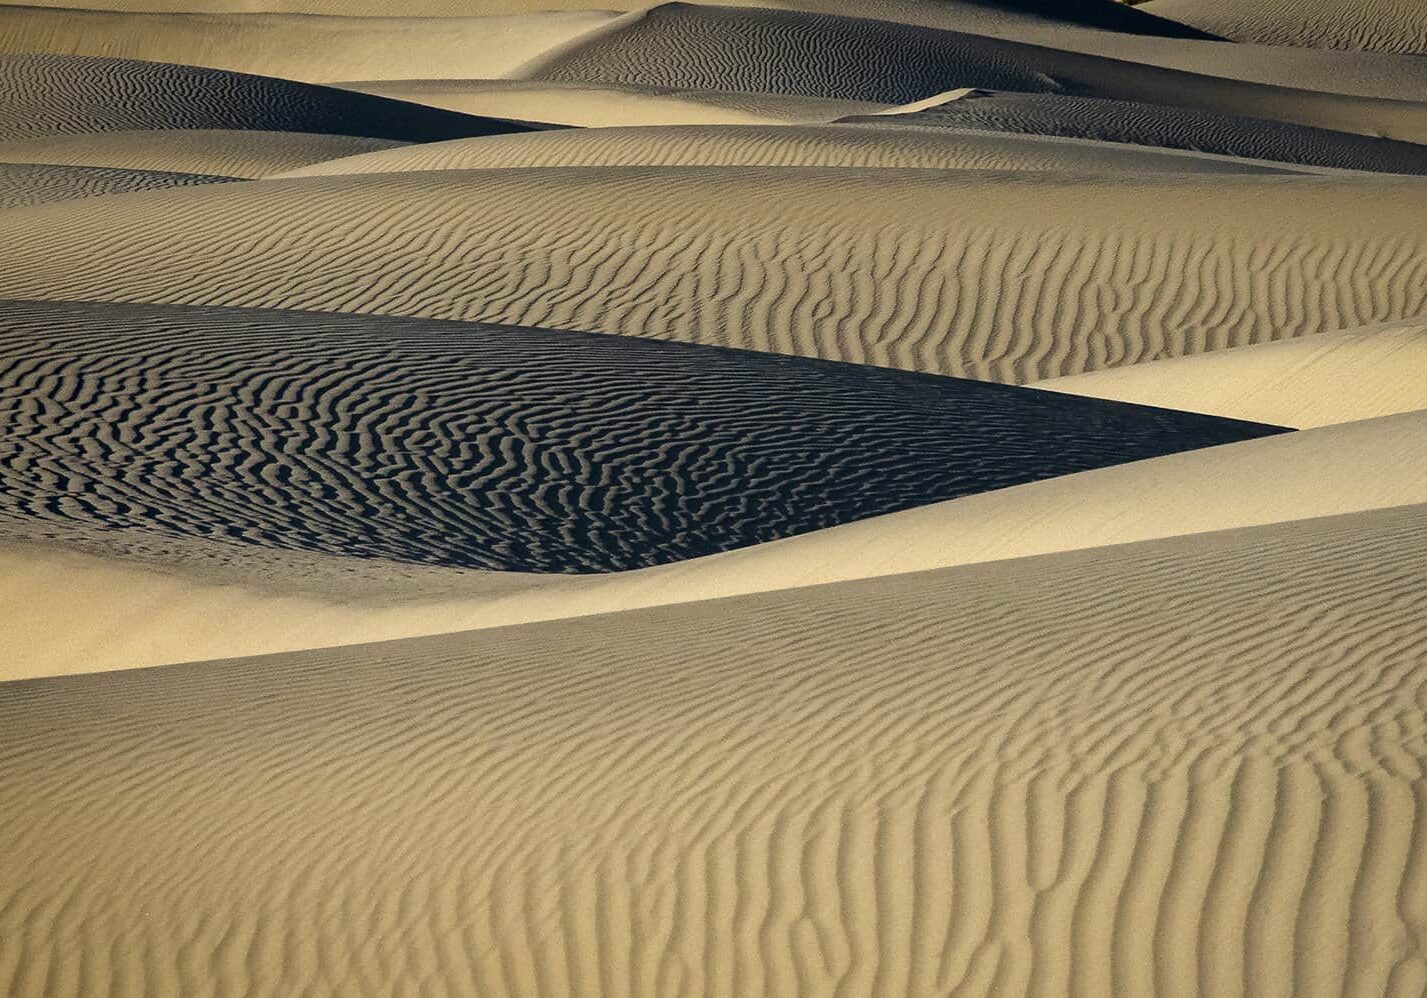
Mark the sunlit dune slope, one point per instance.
(988, 778)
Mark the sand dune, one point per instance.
(1002, 276)
(513, 450)
(231, 153)
(1380, 25)
(302, 47)
(25, 184)
(741, 49)
(1153, 125)
(1315, 381)
(1163, 769)
(611, 104)
(70, 95)
(148, 599)
(781, 145)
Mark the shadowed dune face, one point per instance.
(778, 795)
(1166, 128)
(226, 153)
(781, 145)
(72, 95)
(517, 450)
(24, 184)
(1381, 25)
(1007, 276)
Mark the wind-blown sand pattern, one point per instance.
(1126, 786)
(923, 270)
(783, 497)
(248, 154)
(516, 450)
(782, 145)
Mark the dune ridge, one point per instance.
(657, 801)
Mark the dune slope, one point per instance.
(991, 779)
(24, 184)
(999, 276)
(228, 153)
(1315, 381)
(522, 450)
(71, 95)
(141, 598)
(1377, 25)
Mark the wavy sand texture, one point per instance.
(818, 55)
(1159, 769)
(141, 598)
(302, 47)
(514, 450)
(1379, 25)
(25, 184)
(247, 154)
(613, 104)
(1316, 381)
(49, 95)
(1165, 127)
(781, 145)
(1000, 276)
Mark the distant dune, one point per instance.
(784, 145)
(1004, 276)
(1315, 381)
(1381, 25)
(776, 794)
(1152, 125)
(228, 153)
(72, 95)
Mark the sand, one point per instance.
(302, 47)
(922, 270)
(1377, 25)
(1316, 381)
(231, 153)
(1159, 769)
(613, 104)
(149, 598)
(25, 184)
(784, 145)
(49, 95)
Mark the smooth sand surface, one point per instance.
(600, 105)
(1183, 767)
(229, 153)
(25, 184)
(1145, 124)
(783, 145)
(790, 52)
(505, 449)
(49, 95)
(302, 47)
(1380, 25)
(1002, 276)
(150, 599)
(1314, 381)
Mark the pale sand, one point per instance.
(1314, 381)
(1379, 25)
(302, 47)
(1000, 276)
(153, 600)
(785, 145)
(1186, 767)
(232, 153)
(601, 105)
(744, 49)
